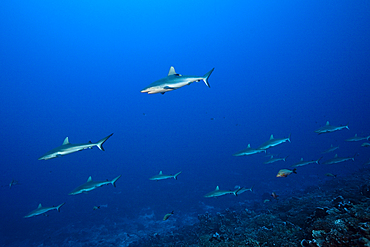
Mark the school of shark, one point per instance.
(175, 81)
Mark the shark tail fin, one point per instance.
(235, 192)
(58, 207)
(206, 76)
(175, 176)
(318, 161)
(289, 137)
(115, 180)
(101, 142)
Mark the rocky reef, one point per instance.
(336, 213)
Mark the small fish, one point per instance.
(96, 207)
(12, 183)
(167, 216)
(274, 195)
(365, 144)
(285, 172)
(266, 200)
(330, 175)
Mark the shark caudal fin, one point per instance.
(113, 182)
(58, 207)
(206, 76)
(175, 176)
(101, 142)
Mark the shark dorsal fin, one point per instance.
(271, 137)
(217, 188)
(160, 173)
(66, 141)
(40, 206)
(249, 145)
(172, 71)
(301, 159)
(331, 145)
(355, 135)
(89, 179)
(327, 123)
(336, 156)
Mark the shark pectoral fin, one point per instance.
(171, 88)
(163, 93)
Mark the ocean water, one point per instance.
(76, 69)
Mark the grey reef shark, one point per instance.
(330, 128)
(68, 148)
(42, 210)
(304, 163)
(273, 142)
(249, 151)
(331, 149)
(337, 159)
(92, 185)
(217, 192)
(161, 176)
(273, 160)
(358, 138)
(174, 81)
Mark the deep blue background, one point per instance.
(76, 68)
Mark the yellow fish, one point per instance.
(167, 216)
(285, 172)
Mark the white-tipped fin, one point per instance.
(271, 137)
(172, 71)
(89, 179)
(217, 188)
(40, 206)
(66, 141)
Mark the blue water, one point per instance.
(76, 68)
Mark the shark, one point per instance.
(330, 128)
(174, 81)
(249, 151)
(68, 148)
(273, 142)
(42, 210)
(304, 163)
(273, 160)
(331, 149)
(358, 138)
(217, 192)
(161, 176)
(243, 189)
(337, 159)
(92, 185)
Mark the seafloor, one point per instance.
(334, 213)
